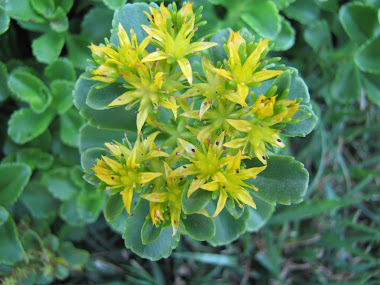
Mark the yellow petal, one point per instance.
(156, 197)
(236, 143)
(125, 98)
(251, 172)
(127, 194)
(246, 198)
(185, 66)
(241, 125)
(145, 177)
(141, 117)
(221, 202)
(189, 147)
(175, 215)
(195, 185)
(243, 93)
(115, 166)
(223, 72)
(211, 186)
(154, 56)
(266, 74)
(199, 46)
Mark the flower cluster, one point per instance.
(216, 120)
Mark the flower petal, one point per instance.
(195, 185)
(221, 202)
(156, 197)
(154, 56)
(145, 177)
(241, 125)
(211, 186)
(251, 172)
(185, 66)
(127, 194)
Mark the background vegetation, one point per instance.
(52, 230)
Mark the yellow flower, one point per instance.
(170, 200)
(114, 61)
(151, 88)
(230, 183)
(172, 33)
(124, 169)
(216, 118)
(243, 66)
(257, 136)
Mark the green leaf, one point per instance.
(298, 89)
(114, 207)
(209, 258)
(114, 4)
(115, 118)
(284, 181)
(22, 10)
(282, 82)
(3, 215)
(90, 156)
(34, 157)
(149, 232)
(11, 250)
(234, 210)
(60, 185)
(161, 248)
(217, 53)
(196, 202)
(308, 120)
(367, 58)
(346, 85)
(282, 4)
(65, 4)
(70, 123)
(371, 85)
(75, 257)
(302, 11)
(227, 228)
(13, 179)
(31, 240)
(262, 17)
(285, 38)
(39, 201)
(48, 47)
(199, 227)
(90, 204)
(259, 216)
(68, 211)
(96, 33)
(4, 91)
(45, 8)
(90, 137)
(62, 95)
(4, 21)
(359, 21)
(79, 52)
(99, 99)
(317, 35)
(59, 22)
(29, 88)
(25, 125)
(131, 16)
(60, 69)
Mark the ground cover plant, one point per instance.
(198, 108)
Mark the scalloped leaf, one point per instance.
(115, 118)
(346, 87)
(39, 201)
(308, 121)
(65, 4)
(196, 202)
(286, 37)
(59, 21)
(114, 207)
(227, 228)
(149, 232)
(367, 58)
(259, 216)
(359, 21)
(11, 250)
(60, 69)
(284, 181)
(43, 7)
(70, 123)
(4, 21)
(48, 47)
(3, 215)
(282, 82)
(13, 179)
(304, 12)
(75, 257)
(60, 185)
(29, 88)
(161, 248)
(114, 4)
(22, 10)
(90, 137)
(199, 227)
(78, 50)
(96, 33)
(25, 125)
(89, 204)
(131, 16)
(35, 158)
(263, 18)
(62, 95)
(4, 91)
(234, 210)
(99, 99)
(90, 156)
(318, 35)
